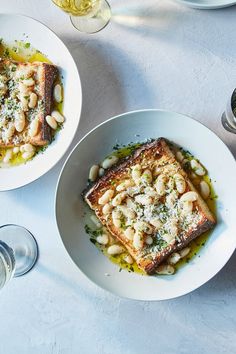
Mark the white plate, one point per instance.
(17, 27)
(123, 129)
(207, 4)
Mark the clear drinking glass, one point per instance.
(228, 118)
(18, 252)
(88, 16)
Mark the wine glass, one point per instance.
(88, 16)
(228, 118)
(18, 252)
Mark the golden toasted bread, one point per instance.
(25, 97)
(149, 204)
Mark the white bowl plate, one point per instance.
(69, 206)
(207, 4)
(18, 27)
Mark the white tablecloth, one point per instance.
(154, 54)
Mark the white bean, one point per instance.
(109, 162)
(179, 156)
(19, 121)
(171, 199)
(58, 116)
(129, 233)
(8, 156)
(95, 220)
(27, 155)
(101, 172)
(146, 177)
(24, 72)
(189, 197)
(149, 240)
(107, 209)
(34, 127)
(16, 150)
(165, 269)
(57, 93)
(93, 173)
(180, 183)
(29, 147)
(136, 174)
(28, 82)
(197, 167)
(115, 249)
(124, 185)
(33, 100)
(116, 218)
(103, 239)
(156, 223)
(169, 238)
(157, 170)
(10, 131)
(127, 212)
(184, 252)
(24, 103)
(143, 199)
(143, 226)
(128, 259)
(51, 122)
(160, 184)
(174, 258)
(187, 208)
(204, 189)
(119, 198)
(138, 240)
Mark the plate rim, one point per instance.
(70, 140)
(195, 5)
(166, 298)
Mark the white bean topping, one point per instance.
(10, 131)
(103, 239)
(101, 172)
(179, 156)
(32, 100)
(180, 183)
(197, 168)
(143, 226)
(187, 208)
(116, 218)
(51, 122)
(95, 220)
(93, 173)
(189, 197)
(57, 93)
(146, 177)
(115, 249)
(106, 197)
(149, 240)
(27, 155)
(160, 184)
(169, 238)
(119, 198)
(143, 199)
(156, 223)
(28, 82)
(19, 121)
(34, 127)
(165, 269)
(16, 149)
(127, 212)
(128, 259)
(57, 116)
(184, 252)
(129, 233)
(174, 258)
(204, 189)
(124, 185)
(28, 147)
(8, 156)
(138, 240)
(136, 173)
(107, 209)
(109, 162)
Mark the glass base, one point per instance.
(95, 23)
(24, 247)
(227, 125)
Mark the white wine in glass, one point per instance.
(88, 16)
(18, 252)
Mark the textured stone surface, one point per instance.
(154, 54)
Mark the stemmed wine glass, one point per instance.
(228, 118)
(18, 252)
(88, 16)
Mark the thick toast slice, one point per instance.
(17, 82)
(156, 209)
